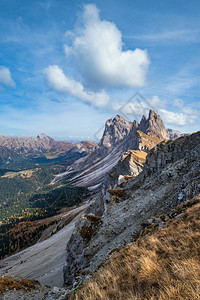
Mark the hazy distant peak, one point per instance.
(43, 136)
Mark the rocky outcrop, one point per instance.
(170, 177)
(129, 166)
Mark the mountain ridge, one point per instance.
(119, 136)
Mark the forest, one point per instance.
(26, 197)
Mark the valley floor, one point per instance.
(43, 261)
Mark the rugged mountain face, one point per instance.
(170, 177)
(129, 166)
(119, 136)
(115, 131)
(162, 264)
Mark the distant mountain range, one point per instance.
(16, 149)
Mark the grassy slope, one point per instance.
(164, 265)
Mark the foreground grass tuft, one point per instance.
(10, 283)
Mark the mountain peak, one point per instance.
(115, 130)
(118, 128)
(152, 114)
(43, 136)
(153, 125)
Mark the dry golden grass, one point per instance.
(10, 283)
(25, 173)
(117, 192)
(139, 154)
(161, 266)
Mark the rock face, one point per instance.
(115, 131)
(170, 176)
(119, 136)
(129, 166)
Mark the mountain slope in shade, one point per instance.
(119, 136)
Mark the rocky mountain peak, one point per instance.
(153, 125)
(43, 136)
(115, 130)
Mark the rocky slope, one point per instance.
(170, 177)
(164, 259)
(119, 136)
(132, 196)
(44, 261)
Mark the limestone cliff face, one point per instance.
(170, 176)
(117, 168)
(154, 126)
(115, 131)
(129, 166)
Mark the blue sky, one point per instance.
(67, 66)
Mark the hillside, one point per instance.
(45, 259)
(170, 177)
(133, 240)
(162, 265)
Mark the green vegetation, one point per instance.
(26, 196)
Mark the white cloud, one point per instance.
(185, 35)
(174, 118)
(191, 113)
(140, 106)
(98, 49)
(185, 115)
(60, 82)
(5, 77)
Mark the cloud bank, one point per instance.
(5, 77)
(61, 83)
(136, 108)
(98, 50)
